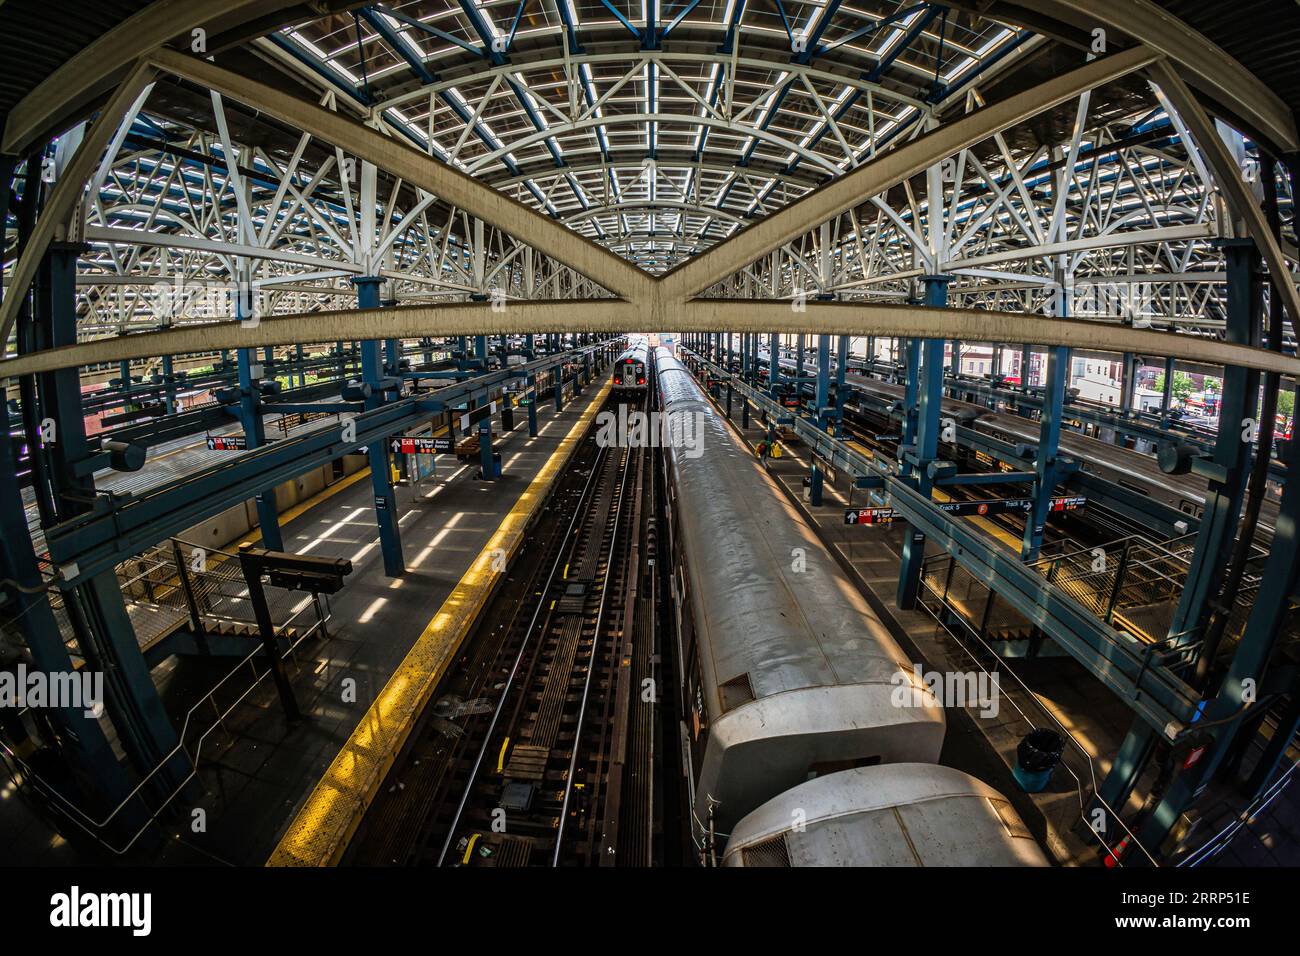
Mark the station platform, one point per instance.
(360, 687)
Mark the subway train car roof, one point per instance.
(909, 814)
(795, 663)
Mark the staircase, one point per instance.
(1133, 584)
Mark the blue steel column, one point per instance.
(1167, 398)
(911, 398)
(1222, 510)
(747, 372)
(99, 778)
(822, 398)
(773, 365)
(798, 365)
(1026, 354)
(841, 383)
(1128, 384)
(925, 447)
(530, 389)
(250, 416)
(96, 608)
(381, 478)
(1224, 715)
(169, 385)
(1046, 463)
(485, 426)
(1227, 490)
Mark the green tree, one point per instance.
(1183, 386)
(1286, 402)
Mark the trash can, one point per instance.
(496, 464)
(1036, 757)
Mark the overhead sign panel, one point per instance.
(406, 445)
(963, 509)
(227, 443)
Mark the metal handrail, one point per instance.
(1065, 731)
(94, 827)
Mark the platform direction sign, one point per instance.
(963, 509)
(470, 419)
(227, 443)
(405, 445)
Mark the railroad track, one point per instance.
(534, 739)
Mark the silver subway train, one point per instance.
(787, 675)
(629, 375)
(907, 814)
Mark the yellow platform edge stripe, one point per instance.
(319, 833)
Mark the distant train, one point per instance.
(792, 689)
(629, 374)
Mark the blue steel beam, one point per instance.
(385, 30)
(1046, 459)
(1240, 693)
(925, 446)
(1227, 489)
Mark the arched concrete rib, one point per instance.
(612, 315)
(888, 170)
(475, 197)
(346, 325)
(969, 325)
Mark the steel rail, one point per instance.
(614, 541)
(584, 503)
